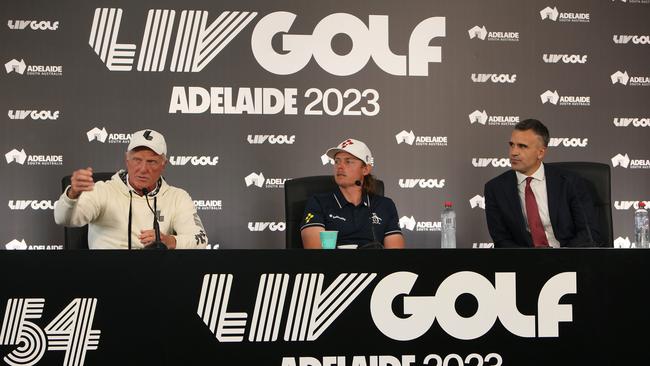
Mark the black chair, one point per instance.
(599, 183)
(297, 192)
(77, 237)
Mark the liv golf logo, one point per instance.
(421, 183)
(494, 78)
(631, 39)
(627, 205)
(568, 142)
(70, 331)
(37, 25)
(33, 114)
(322, 306)
(491, 162)
(553, 58)
(203, 45)
(631, 122)
(199, 41)
(266, 226)
(194, 160)
(31, 204)
(271, 139)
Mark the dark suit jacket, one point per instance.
(569, 204)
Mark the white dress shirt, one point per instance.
(538, 186)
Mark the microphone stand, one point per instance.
(157, 243)
(374, 244)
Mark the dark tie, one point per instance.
(534, 221)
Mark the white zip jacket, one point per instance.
(106, 211)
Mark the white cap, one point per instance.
(355, 148)
(148, 138)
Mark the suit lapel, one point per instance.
(553, 189)
(512, 193)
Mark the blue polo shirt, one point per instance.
(333, 212)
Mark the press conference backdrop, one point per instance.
(252, 93)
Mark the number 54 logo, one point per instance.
(70, 331)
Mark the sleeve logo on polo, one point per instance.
(308, 217)
(337, 217)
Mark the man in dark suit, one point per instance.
(536, 205)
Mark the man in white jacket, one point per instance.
(117, 212)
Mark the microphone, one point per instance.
(157, 244)
(374, 244)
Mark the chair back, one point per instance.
(77, 237)
(598, 182)
(296, 193)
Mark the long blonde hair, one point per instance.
(369, 184)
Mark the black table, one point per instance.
(339, 307)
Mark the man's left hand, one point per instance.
(147, 237)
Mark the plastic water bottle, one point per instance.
(641, 227)
(448, 219)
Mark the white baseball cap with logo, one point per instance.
(148, 138)
(354, 147)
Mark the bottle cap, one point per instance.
(448, 204)
(642, 204)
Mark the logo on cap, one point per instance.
(346, 143)
(147, 135)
